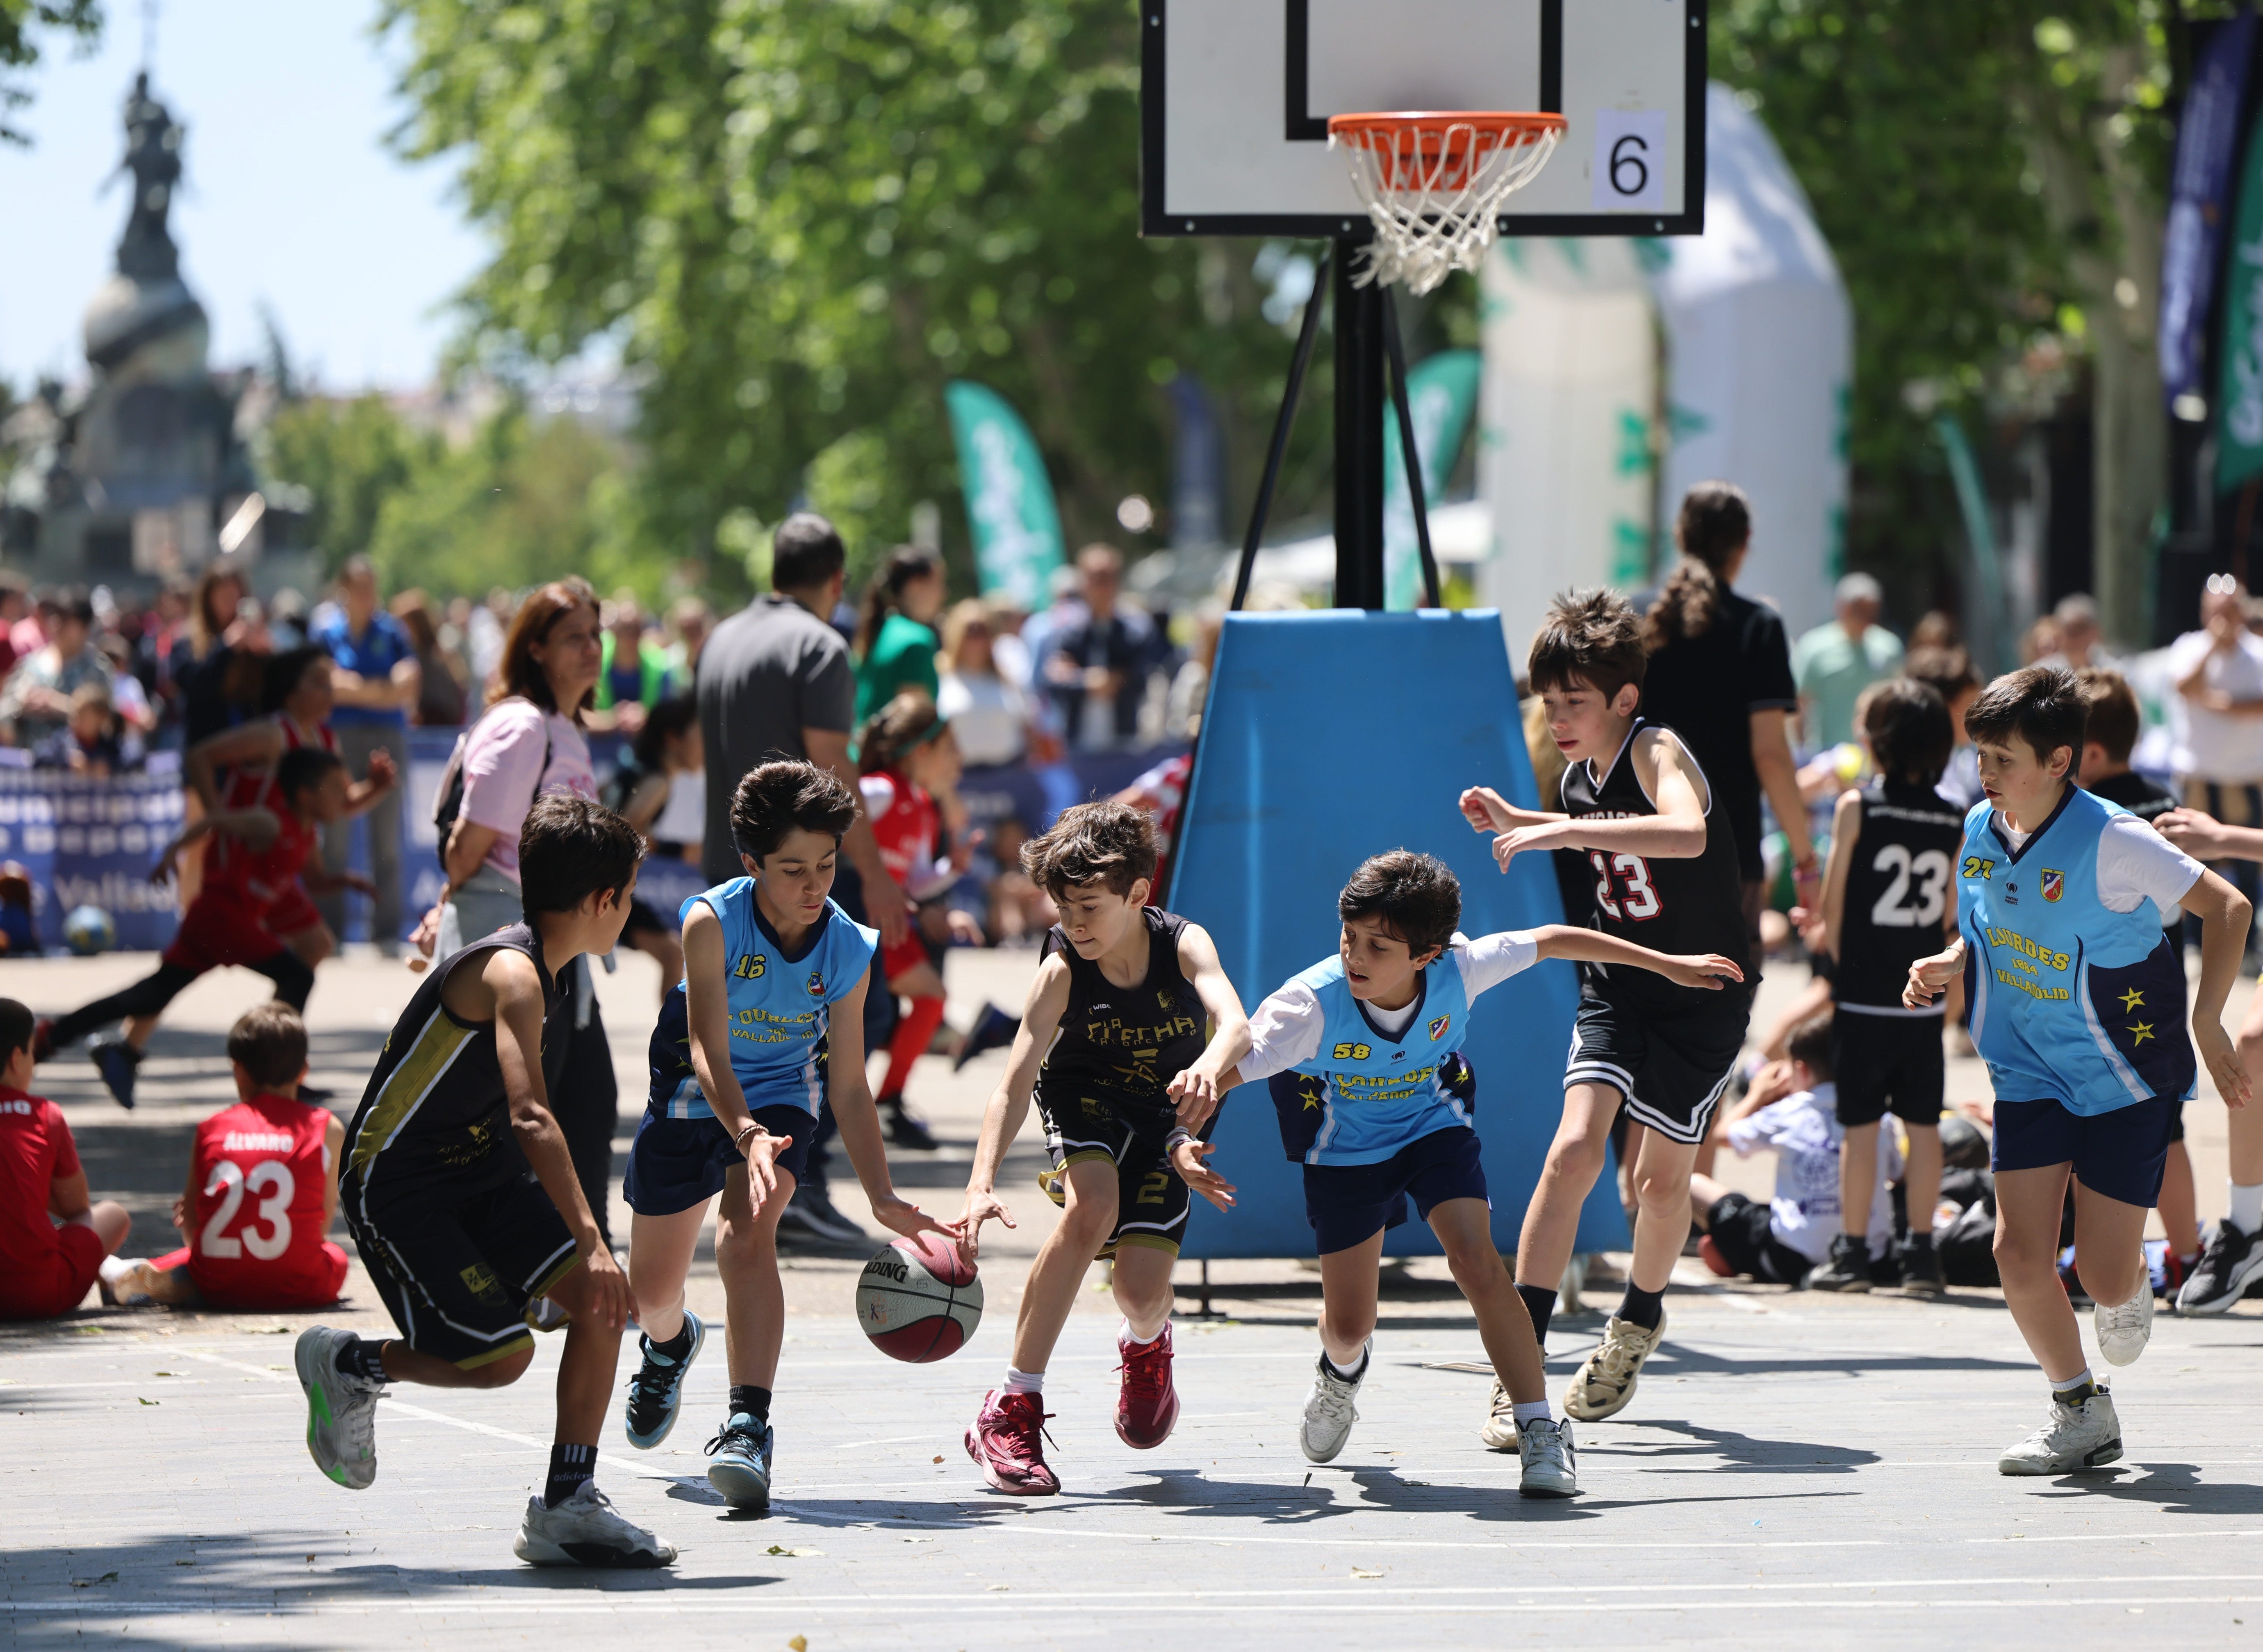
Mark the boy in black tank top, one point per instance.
(1664, 864)
(457, 1235)
(1889, 899)
(1113, 1045)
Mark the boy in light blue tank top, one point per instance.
(767, 1023)
(1363, 1055)
(2078, 1009)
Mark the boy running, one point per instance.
(769, 1019)
(1111, 1045)
(1374, 1097)
(1885, 905)
(1640, 810)
(257, 848)
(2078, 1009)
(457, 1237)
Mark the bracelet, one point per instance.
(1172, 1141)
(739, 1140)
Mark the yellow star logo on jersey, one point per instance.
(2132, 998)
(2140, 1032)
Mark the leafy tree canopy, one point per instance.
(21, 24)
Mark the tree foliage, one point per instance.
(22, 23)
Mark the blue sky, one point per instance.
(292, 198)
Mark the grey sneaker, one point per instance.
(341, 1409)
(1606, 1381)
(1849, 1268)
(1551, 1461)
(2124, 1329)
(586, 1530)
(1499, 1431)
(1329, 1412)
(2231, 1260)
(2075, 1437)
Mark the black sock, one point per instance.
(1642, 1308)
(2077, 1392)
(362, 1358)
(1540, 1303)
(747, 1400)
(571, 1468)
(1921, 1241)
(677, 1347)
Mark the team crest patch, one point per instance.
(816, 985)
(1438, 1027)
(480, 1280)
(2054, 884)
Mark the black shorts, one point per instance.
(675, 1164)
(1151, 1201)
(457, 1265)
(1671, 1069)
(1349, 1204)
(1739, 1229)
(2119, 1154)
(1888, 1062)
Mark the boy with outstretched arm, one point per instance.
(1111, 1044)
(1362, 1055)
(769, 1016)
(2078, 1009)
(457, 1238)
(1638, 807)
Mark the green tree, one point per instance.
(800, 218)
(21, 24)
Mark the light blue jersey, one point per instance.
(779, 1007)
(2072, 1001)
(1366, 1093)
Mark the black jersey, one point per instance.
(435, 1108)
(1674, 905)
(1121, 1045)
(1900, 885)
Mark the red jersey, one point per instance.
(905, 825)
(255, 1228)
(257, 880)
(35, 1148)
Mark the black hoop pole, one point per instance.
(1398, 399)
(1278, 451)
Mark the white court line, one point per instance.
(899, 1439)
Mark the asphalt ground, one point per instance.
(1796, 1468)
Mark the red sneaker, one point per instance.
(1147, 1407)
(1006, 1441)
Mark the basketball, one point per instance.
(89, 930)
(919, 1300)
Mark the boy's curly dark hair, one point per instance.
(1109, 843)
(1589, 637)
(774, 798)
(1417, 898)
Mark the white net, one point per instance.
(1434, 192)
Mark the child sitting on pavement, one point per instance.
(53, 1238)
(1780, 1242)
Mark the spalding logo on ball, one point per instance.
(89, 930)
(919, 1300)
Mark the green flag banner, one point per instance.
(1441, 392)
(2240, 403)
(1009, 498)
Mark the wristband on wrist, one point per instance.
(739, 1140)
(1182, 1134)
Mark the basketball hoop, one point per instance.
(1433, 184)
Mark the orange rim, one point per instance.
(1429, 128)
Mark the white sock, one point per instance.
(1531, 1411)
(1349, 1373)
(1125, 1339)
(2078, 1381)
(2247, 1207)
(1024, 1382)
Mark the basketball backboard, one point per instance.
(1235, 97)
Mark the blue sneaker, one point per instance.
(993, 1029)
(656, 1390)
(116, 1060)
(742, 1468)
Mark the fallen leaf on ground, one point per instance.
(798, 1644)
(168, 1374)
(794, 1553)
(998, 1588)
(149, 1401)
(1360, 1571)
(938, 1460)
(184, 1563)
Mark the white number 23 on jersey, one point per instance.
(272, 1183)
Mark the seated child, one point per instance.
(52, 1239)
(1780, 1241)
(1363, 1055)
(262, 1190)
(95, 741)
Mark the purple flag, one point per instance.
(2207, 133)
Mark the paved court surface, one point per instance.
(1796, 1468)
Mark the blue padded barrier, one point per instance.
(1330, 737)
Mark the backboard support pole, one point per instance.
(1361, 405)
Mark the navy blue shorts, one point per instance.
(2119, 1154)
(675, 1164)
(1349, 1204)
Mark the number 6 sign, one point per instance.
(1627, 173)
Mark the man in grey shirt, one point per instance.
(775, 680)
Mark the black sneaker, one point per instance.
(904, 1128)
(811, 1222)
(117, 1061)
(1849, 1268)
(1921, 1267)
(2231, 1259)
(994, 1029)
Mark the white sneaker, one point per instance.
(2085, 1436)
(1551, 1461)
(585, 1530)
(2122, 1332)
(1606, 1381)
(341, 1409)
(1499, 1431)
(1328, 1409)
